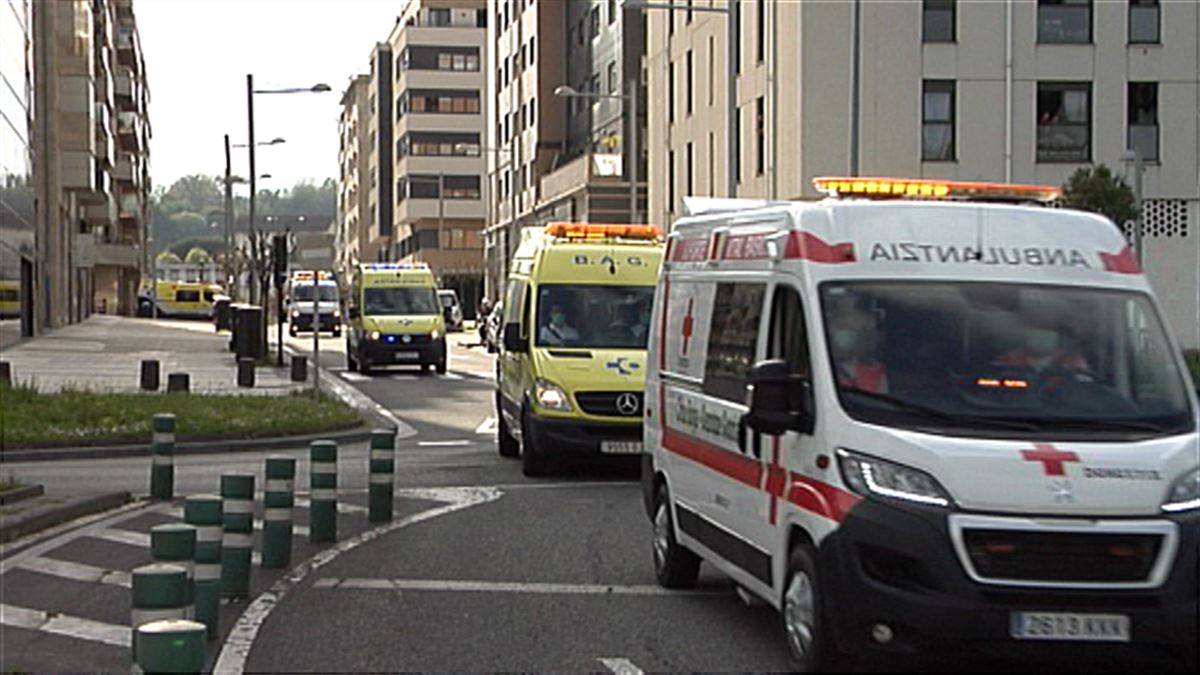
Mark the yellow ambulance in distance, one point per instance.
(572, 364)
(10, 298)
(395, 318)
(178, 299)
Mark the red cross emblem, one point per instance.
(1052, 458)
(687, 326)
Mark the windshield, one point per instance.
(414, 300)
(305, 292)
(1007, 357)
(447, 300)
(602, 317)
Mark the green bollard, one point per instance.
(382, 470)
(162, 448)
(170, 647)
(204, 513)
(237, 544)
(175, 544)
(322, 512)
(159, 592)
(277, 512)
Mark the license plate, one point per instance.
(406, 356)
(621, 447)
(1070, 627)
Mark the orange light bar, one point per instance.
(1006, 383)
(597, 231)
(921, 188)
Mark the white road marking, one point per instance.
(508, 587)
(66, 569)
(127, 537)
(483, 374)
(487, 427)
(70, 626)
(450, 376)
(443, 444)
(350, 376)
(240, 641)
(325, 583)
(621, 666)
(342, 507)
(300, 530)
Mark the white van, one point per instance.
(913, 421)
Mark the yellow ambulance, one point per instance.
(10, 298)
(178, 299)
(395, 318)
(572, 363)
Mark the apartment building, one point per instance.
(353, 239)
(436, 135)
(562, 158)
(18, 217)
(1007, 91)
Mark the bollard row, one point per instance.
(204, 512)
(277, 512)
(237, 495)
(382, 480)
(322, 513)
(162, 448)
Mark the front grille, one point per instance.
(415, 339)
(1013, 555)
(606, 403)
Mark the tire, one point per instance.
(351, 364)
(533, 461)
(674, 565)
(441, 367)
(507, 444)
(364, 366)
(805, 626)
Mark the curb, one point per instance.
(27, 492)
(45, 517)
(356, 435)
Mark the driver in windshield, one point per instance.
(629, 326)
(1043, 348)
(855, 340)
(557, 331)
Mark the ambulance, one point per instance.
(303, 287)
(178, 299)
(572, 365)
(10, 298)
(922, 415)
(395, 318)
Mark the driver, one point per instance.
(1042, 347)
(557, 331)
(854, 338)
(629, 326)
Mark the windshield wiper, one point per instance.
(950, 418)
(1093, 423)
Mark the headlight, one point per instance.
(295, 314)
(434, 335)
(1184, 495)
(867, 475)
(337, 313)
(374, 335)
(551, 397)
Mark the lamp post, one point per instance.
(631, 138)
(489, 228)
(1134, 157)
(250, 92)
(731, 49)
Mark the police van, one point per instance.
(922, 415)
(305, 286)
(576, 320)
(395, 318)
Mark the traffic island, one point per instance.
(41, 513)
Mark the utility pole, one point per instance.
(228, 220)
(254, 243)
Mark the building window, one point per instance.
(594, 20)
(579, 33)
(439, 17)
(937, 121)
(612, 11)
(1143, 21)
(425, 186)
(440, 101)
(438, 144)
(760, 135)
(614, 85)
(737, 133)
(1064, 122)
(688, 74)
(761, 17)
(689, 11)
(481, 16)
(441, 58)
(1143, 119)
(733, 340)
(712, 67)
(1065, 21)
(937, 21)
(532, 111)
(671, 181)
(689, 170)
(670, 22)
(532, 50)
(671, 91)
(594, 83)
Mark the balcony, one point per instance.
(124, 85)
(116, 252)
(102, 213)
(124, 170)
(130, 206)
(127, 49)
(129, 131)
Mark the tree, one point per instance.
(1100, 191)
(167, 258)
(198, 256)
(214, 246)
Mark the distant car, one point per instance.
(491, 328)
(451, 309)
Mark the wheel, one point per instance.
(509, 447)
(805, 626)
(674, 565)
(533, 461)
(364, 366)
(441, 367)
(351, 365)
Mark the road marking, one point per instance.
(300, 530)
(443, 444)
(483, 374)
(487, 427)
(450, 376)
(621, 666)
(66, 569)
(61, 624)
(127, 537)
(240, 641)
(342, 507)
(507, 587)
(350, 376)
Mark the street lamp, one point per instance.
(731, 48)
(273, 141)
(250, 92)
(1134, 157)
(631, 144)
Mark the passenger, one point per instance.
(631, 324)
(557, 331)
(1042, 348)
(855, 346)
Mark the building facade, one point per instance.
(555, 157)
(1025, 92)
(18, 217)
(353, 238)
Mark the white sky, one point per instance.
(197, 55)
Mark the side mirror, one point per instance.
(779, 400)
(512, 339)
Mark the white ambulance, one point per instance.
(915, 421)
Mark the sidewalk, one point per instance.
(104, 353)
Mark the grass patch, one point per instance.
(29, 419)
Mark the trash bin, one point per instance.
(234, 308)
(223, 313)
(248, 335)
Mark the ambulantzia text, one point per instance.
(1034, 256)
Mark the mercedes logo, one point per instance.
(627, 404)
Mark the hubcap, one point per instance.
(662, 533)
(800, 615)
